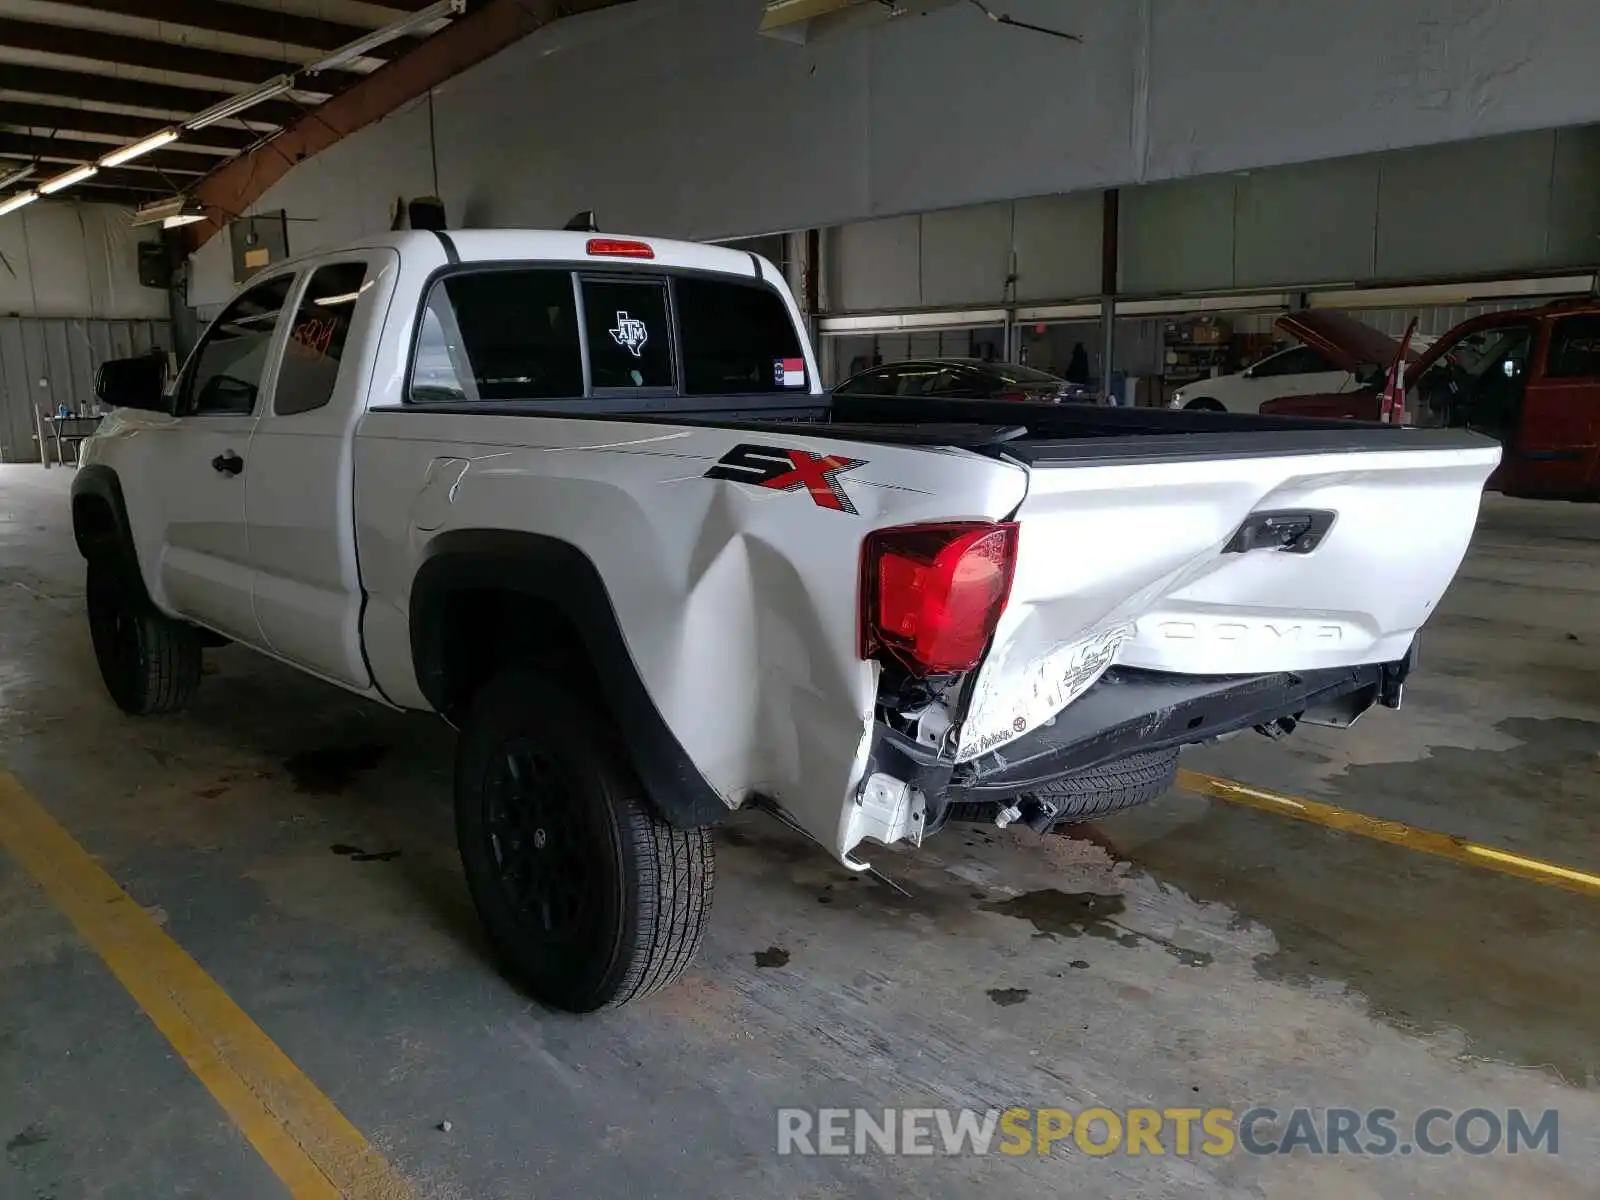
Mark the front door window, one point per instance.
(1478, 383)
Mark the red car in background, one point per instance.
(1529, 378)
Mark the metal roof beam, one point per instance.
(486, 29)
(142, 52)
(124, 179)
(266, 24)
(132, 93)
(88, 193)
(86, 120)
(78, 150)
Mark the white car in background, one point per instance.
(1336, 353)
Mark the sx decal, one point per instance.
(788, 471)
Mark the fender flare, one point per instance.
(554, 572)
(100, 483)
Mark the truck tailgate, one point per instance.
(1166, 554)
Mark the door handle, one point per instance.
(228, 463)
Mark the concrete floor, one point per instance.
(1191, 953)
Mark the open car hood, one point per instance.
(1345, 340)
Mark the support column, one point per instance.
(1108, 292)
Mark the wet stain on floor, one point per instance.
(779, 846)
(1064, 914)
(357, 854)
(1006, 997)
(329, 770)
(1430, 945)
(1055, 913)
(772, 956)
(33, 1135)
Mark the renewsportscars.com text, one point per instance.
(1181, 1132)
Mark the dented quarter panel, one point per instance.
(738, 603)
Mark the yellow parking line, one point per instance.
(306, 1141)
(1395, 833)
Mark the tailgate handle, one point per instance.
(1294, 531)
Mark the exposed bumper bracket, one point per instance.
(1130, 710)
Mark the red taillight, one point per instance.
(618, 248)
(931, 595)
(1012, 396)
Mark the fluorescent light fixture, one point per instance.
(234, 105)
(15, 177)
(169, 213)
(379, 37)
(17, 201)
(76, 175)
(158, 211)
(128, 153)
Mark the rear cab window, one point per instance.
(556, 334)
(737, 339)
(498, 335)
(630, 334)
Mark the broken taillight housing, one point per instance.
(931, 595)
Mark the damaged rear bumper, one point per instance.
(1128, 711)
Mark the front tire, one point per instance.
(588, 896)
(150, 663)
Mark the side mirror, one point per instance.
(138, 382)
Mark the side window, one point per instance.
(1302, 360)
(956, 381)
(498, 335)
(228, 364)
(917, 378)
(315, 348)
(880, 381)
(1575, 348)
(630, 337)
(736, 338)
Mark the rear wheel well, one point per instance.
(482, 632)
(1205, 404)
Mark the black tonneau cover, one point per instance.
(1031, 433)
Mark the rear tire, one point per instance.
(150, 663)
(589, 898)
(1137, 779)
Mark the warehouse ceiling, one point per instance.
(81, 78)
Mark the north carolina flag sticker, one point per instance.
(789, 372)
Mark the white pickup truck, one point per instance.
(582, 496)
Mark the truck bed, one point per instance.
(1035, 434)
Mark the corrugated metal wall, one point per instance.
(47, 362)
